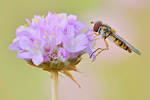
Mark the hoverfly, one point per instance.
(107, 32)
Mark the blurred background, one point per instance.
(115, 75)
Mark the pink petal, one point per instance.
(37, 60)
(24, 55)
(13, 46)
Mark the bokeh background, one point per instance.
(115, 75)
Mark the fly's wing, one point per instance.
(129, 45)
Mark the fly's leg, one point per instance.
(95, 39)
(94, 33)
(103, 49)
(100, 49)
(95, 51)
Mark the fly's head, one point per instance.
(96, 27)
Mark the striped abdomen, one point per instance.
(119, 43)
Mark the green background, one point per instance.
(115, 75)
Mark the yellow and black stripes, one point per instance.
(120, 43)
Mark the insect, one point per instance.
(107, 32)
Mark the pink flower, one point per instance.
(55, 38)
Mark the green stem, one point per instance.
(54, 85)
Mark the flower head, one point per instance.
(52, 42)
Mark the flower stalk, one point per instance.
(54, 85)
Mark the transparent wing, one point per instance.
(129, 45)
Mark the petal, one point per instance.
(94, 57)
(88, 32)
(49, 13)
(68, 44)
(37, 60)
(79, 26)
(24, 55)
(45, 58)
(89, 51)
(63, 23)
(16, 39)
(72, 17)
(28, 21)
(23, 33)
(74, 55)
(70, 31)
(62, 52)
(79, 49)
(59, 38)
(63, 14)
(24, 43)
(81, 40)
(19, 29)
(13, 46)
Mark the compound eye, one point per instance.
(97, 25)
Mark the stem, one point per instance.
(54, 85)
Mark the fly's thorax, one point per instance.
(105, 31)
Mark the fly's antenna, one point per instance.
(92, 22)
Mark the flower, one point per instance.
(53, 42)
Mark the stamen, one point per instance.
(25, 26)
(52, 34)
(94, 44)
(44, 36)
(77, 42)
(22, 28)
(45, 32)
(43, 16)
(50, 37)
(70, 35)
(36, 20)
(28, 23)
(39, 17)
(28, 41)
(61, 16)
(66, 17)
(72, 42)
(47, 22)
(35, 45)
(28, 48)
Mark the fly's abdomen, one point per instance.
(120, 43)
